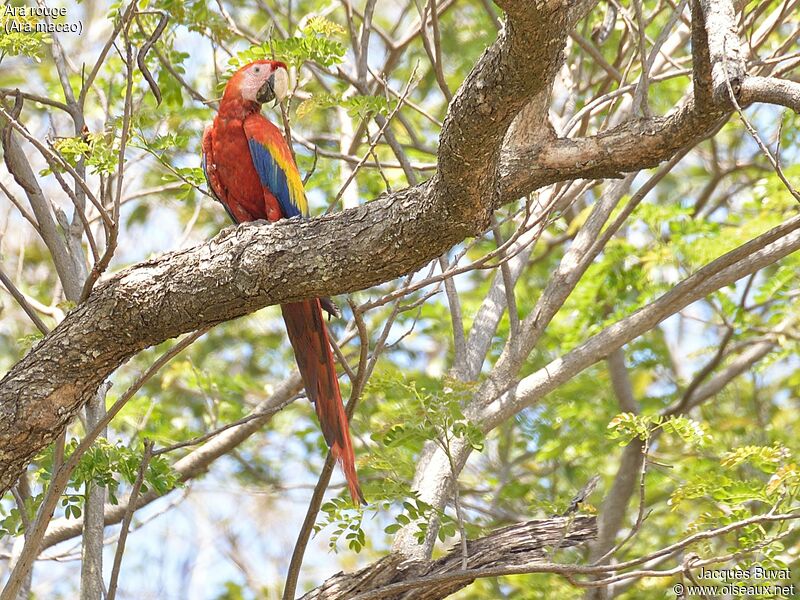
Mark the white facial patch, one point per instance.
(252, 81)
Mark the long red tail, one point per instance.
(312, 349)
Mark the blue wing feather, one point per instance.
(273, 177)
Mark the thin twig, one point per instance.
(764, 148)
(111, 242)
(435, 54)
(25, 214)
(508, 285)
(34, 98)
(207, 436)
(49, 154)
(640, 515)
(377, 137)
(644, 82)
(123, 22)
(141, 56)
(457, 322)
(23, 302)
(296, 562)
(126, 520)
(482, 263)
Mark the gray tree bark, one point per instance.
(521, 547)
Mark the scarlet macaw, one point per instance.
(250, 170)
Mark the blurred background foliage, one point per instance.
(228, 534)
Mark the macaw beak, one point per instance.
(266, 93)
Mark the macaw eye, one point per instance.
(257, 69)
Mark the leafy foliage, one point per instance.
(627, 426)
(106, 465)
(317, 42)
(20, 36)
(357, 106)
(101, 156)
(413, 411)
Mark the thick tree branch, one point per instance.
(772, 91)
(633, 145)
(724, 49)
(522, 63)
(515, 545)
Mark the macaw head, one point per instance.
(260, 81)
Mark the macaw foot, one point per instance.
(330, 307)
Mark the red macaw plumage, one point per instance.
(251, 171)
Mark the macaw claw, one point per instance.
(330, 307)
